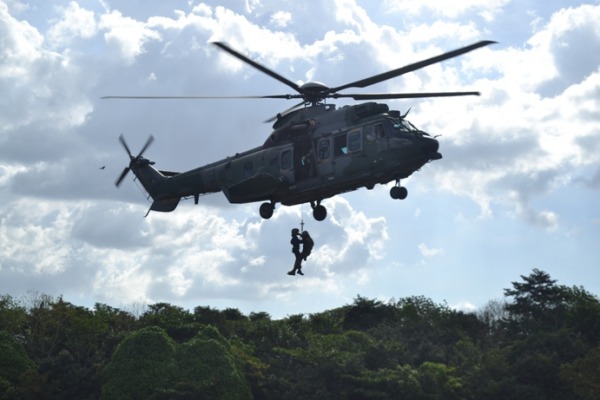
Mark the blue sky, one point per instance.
(517, 188)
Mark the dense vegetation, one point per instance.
(540, 342)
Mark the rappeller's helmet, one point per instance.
(295, 231)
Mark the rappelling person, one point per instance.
(296, 242)
(307, 245)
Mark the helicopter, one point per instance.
(315, 151)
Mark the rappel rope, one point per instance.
(302, 218)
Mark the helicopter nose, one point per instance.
(429, 145)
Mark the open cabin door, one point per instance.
(304, 158)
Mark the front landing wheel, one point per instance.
(319, 212)
(398, 193)
(266, 210)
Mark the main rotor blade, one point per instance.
(122, 140)
(258, 66)
(383, 96)
(411, 67)
(275, 96)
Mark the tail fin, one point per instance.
(151, 179)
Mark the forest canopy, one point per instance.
(541, 341)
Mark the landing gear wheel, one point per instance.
(319, 212)
(398, 193)
(266, 210)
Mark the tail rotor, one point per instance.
(137, 160)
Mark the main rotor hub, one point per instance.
(314, 92)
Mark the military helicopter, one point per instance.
(315, 151)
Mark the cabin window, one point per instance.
(286, 159)
(324, 149)
(379, 132)
(340, 146)
(248, 170)
(355, 141)
(274, 163)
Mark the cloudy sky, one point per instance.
(517, 188)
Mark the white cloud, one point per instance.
(127, 35)
(74, 23)
(64, 226)
(464, 306)
(281, 19)
(429, 252)
(21, 43)
(487, 9)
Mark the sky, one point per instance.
(517, 187)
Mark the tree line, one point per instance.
(541, 341)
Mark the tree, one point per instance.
(178, 322)
(492, 314)
(65, 343)
(209, 369)
(438, 381)
(13, 316)
(584, 375)
(544, 334)
(142, 365)
(364, 314)
(583, 314)
(538, 303)
(14, 363)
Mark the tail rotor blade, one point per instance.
(133, 161)
(122, 176)
(148, 143)
(124, 143)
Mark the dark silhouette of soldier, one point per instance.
(296, 242)
(307, 245)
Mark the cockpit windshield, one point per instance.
(404, 125)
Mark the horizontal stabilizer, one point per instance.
(164, 205)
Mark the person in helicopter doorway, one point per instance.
(296, 242)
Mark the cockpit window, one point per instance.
(404, 125)
(286, 160)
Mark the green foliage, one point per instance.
(402, 382)
(208, 365)
(142, 364)
(584, 375)
(175, 320)
(149, 364)
(14, 362)
(537, 303)
(542, 341)
(438, 381)
(13, 317)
